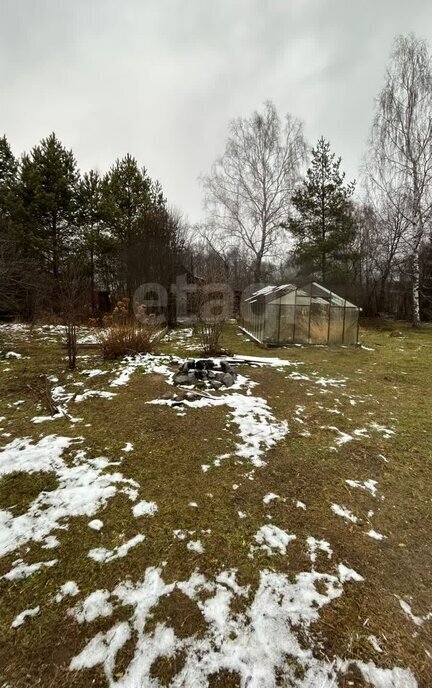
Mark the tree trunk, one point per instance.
(92, 278)
(257, 269)
(416, 289)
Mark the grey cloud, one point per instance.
(162, 78)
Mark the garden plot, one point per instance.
(222, 539)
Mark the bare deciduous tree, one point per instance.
(401, 147)
(249, 189)
(74, 288)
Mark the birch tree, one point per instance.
(249, 189)
(401, 147)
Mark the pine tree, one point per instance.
(89, 219)
(129, 205)
(323, 225)
(49, 179)
(8, 179)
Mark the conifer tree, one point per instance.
(8, 179)
(323, 224)
(130, 201)
(49, 178)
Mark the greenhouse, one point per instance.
(311, 314)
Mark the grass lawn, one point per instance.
(276, 534)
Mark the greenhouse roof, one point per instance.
(316, 292)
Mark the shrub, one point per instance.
(209, 334)
(125, 335)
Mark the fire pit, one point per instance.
(205, 373)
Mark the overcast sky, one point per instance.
(162, 78)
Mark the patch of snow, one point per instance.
(270, 497)
(144, 509)
(94, 606)
(92, 393)
(406, 608)
(315, 545)
(19, 620)
(343, 437)
(12, 354)
(104, 555)
(300, 505)
(68, 589)
(347, 574)
(387, 433)
(195, 546)
(256, 643)
(128, 447)
(383, 678)
(21, 570)
(373, 640)
(376, 536)
(51, 542)
(258, 428)
(148, 363)
(344, 512)
(94, 373)
(95, 524)
(270, 538)
(369, 485)
(83, 489)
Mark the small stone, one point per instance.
(228, 379)
(216, 384)
(181, 379)
(191, 396)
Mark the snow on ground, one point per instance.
(270, 497)
(265, 639)
(271, 538)
(68, 589)
(195, 546)
(406, 608)
(148, 363)
(344, 512)
(21, 570)
(93, 607)
(258, 428)
(83, 488)
(375, 536)
(19, 620)
(315, 546)
(368, 485)
(257, 642)
(144, 509)
(104, 556)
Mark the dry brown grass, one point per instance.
(128, 339)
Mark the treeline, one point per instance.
(65, 237)
(369, 241)
(277, 211)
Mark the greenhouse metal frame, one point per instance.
(311, 314)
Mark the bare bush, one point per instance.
(209, 334)
(123, 335)
(73, 293)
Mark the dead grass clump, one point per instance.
(123, 340)
(125, 336)
(165, 669)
